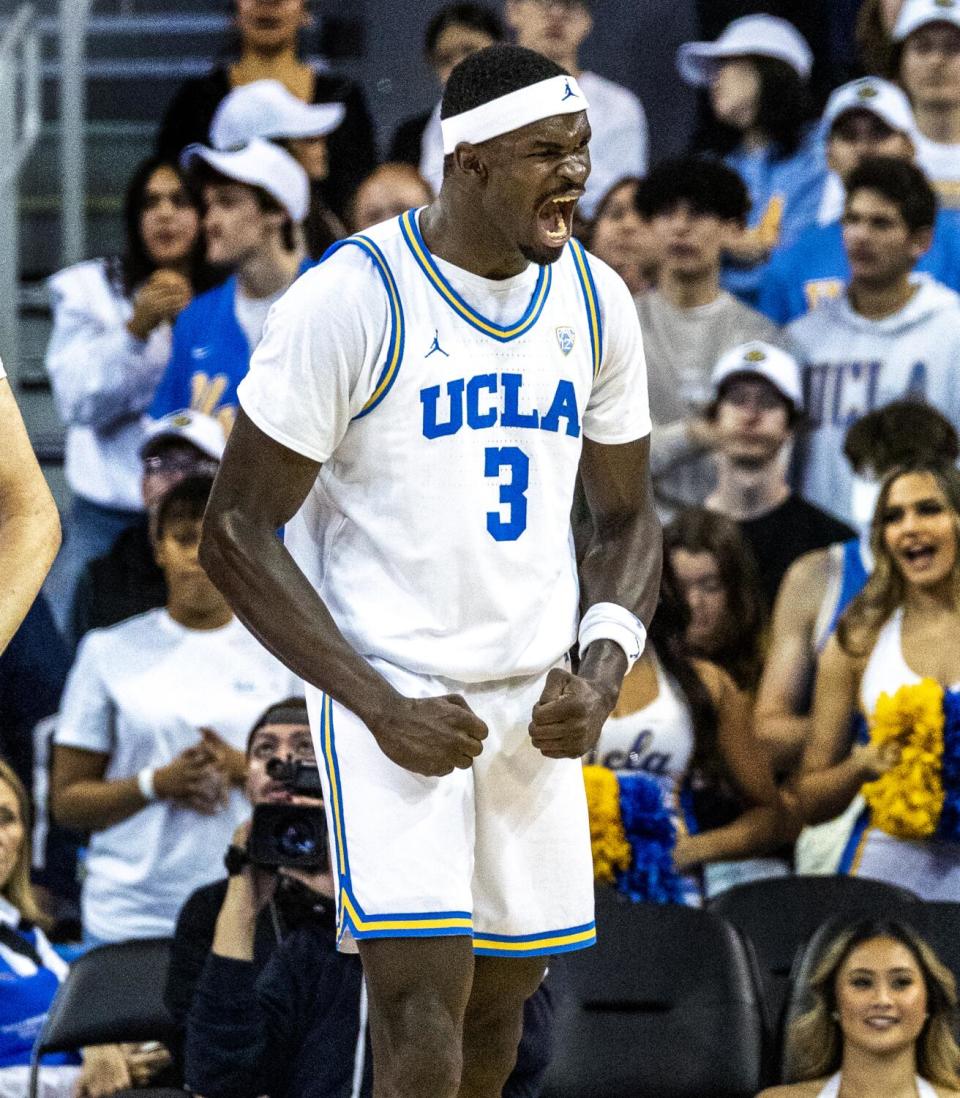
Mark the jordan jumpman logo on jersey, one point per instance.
(435, 346)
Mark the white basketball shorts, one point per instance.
(500, 852)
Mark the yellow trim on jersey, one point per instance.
(395, 346)
(858, 853)
(326, 726)
(547, 942)
(590, 298)
(425, 261)
(374, 924)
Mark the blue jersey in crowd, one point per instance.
(30, 974)
(210, 356)
(815, 268)
(784, 191)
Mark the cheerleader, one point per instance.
(903, 628)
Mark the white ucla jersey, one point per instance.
(448, 411)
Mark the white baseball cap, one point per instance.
(259, 164)
(760, 359)
(879, 97)
(918, 13)
(202, 431)
(750, 36)
(266, 109)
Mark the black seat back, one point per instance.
(665, 1006)
(112, 993)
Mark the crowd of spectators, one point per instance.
(795, 274)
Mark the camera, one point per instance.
(290, 835)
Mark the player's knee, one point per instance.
(425, 1039)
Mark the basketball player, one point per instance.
(415, 417)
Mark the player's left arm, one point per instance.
(620, 566)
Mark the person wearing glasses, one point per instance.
(127, 580)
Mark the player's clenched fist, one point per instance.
(568, 717)
(431, 736)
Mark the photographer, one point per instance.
(265, 1002)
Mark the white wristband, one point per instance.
(145, 783)
(608, 621)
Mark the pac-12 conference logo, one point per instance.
(566, 337)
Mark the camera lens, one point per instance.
(296, 839)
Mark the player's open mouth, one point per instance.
(555, 218)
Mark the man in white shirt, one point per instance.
(893, 334)
(927, 37)
(29, 524)
(415, 417)
(620, 142)
(149, 745)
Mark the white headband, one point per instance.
(556, 95)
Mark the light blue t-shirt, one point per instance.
(814, 268)
(792, 183)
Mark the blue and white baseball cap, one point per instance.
(749, 36)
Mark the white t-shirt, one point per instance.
(139, 692)
(251, 314)
(438, 531)
(941, 165)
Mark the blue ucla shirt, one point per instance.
(815, 268)
(785, 189)
(209, 358)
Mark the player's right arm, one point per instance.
(790, 661)
(312, 372)
(259, 488)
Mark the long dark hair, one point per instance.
(783, 108)
(668, 632)
(132, 268)
(698, 530)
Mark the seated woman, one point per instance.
(31, 973)
(879, 1023)
(718, 579)
(680, 720)
(902, 628)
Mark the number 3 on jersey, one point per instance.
(512, 490)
